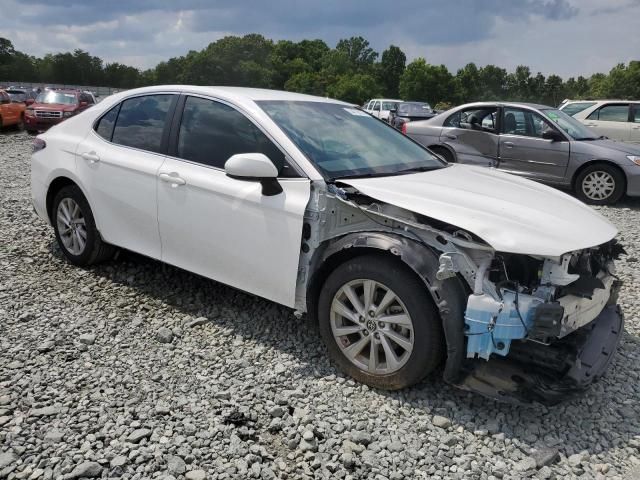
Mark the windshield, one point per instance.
(17, 96)
(414, 109)
(570, 125)
(57, 97)
(347, 142)
(573, 108)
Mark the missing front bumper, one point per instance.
(548, 374)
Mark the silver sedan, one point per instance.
(537, 142)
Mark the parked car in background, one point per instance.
(537, 142)
(24, 95)
(404, 261)
(615, 119)
(11, 112)
(381, 107)
(409, 111)
(53, 106)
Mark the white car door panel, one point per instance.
(123, 183)
(227, 230)
(611, 120)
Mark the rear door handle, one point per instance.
(452, 137)
(91, 157)
(591, 124)
(173, 178)
(508, 144)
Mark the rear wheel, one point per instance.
(75, 228)
(444, 153)
(379, 323)
(600, 184)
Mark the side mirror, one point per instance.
(394, 110)
(254, 167)
(553, 135)
(29, 101)
(83, 104)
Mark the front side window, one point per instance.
(211, 132)
(141, 122)
(636, 113)
(523, 122)
(474, 118)
(573, 108)
(376, 106)
(345, 142)
(104, 127)
(389, 105)
(611, 113)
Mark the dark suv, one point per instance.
(53, 106)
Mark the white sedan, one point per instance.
(615, 119)
(404, 261)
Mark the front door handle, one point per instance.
(173, 178)
(636, 128)
(91, 157)
(508, 144)
(591, 124)
(451, 137)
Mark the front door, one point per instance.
(224, 228)
(524, 152)
(119, 163)
(611, 120)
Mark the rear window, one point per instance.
(611, 113)
(104, 127)
(573, 108)
(141, 122)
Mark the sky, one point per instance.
(565, 37)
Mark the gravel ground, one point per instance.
(138, 370)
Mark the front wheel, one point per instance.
(75, 228)
(379, 323)
(600, 184)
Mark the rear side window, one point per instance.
(474, 118)
(211, 132)
(104, 127)
(636, 113)
(573, 108)
(141, 122)
(611, 113)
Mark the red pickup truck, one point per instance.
(54, 106)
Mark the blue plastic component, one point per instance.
(492, 325)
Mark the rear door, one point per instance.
(611, 120)
(225, 228)
(118, 161)
(472, 133)
(524, 152)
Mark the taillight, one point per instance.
(38, 144)
(404, 128)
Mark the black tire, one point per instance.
(614, 173)
(428, 346)
(444, 153)
(95, 249)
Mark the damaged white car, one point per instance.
(406, 263)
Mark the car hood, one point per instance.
(603, 147)
(53, 106)
(509, 213)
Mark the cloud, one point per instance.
(549, 35)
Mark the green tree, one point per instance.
(468, 82)
(354, 88)
(425, 82)
(361, 56)
(391, 67)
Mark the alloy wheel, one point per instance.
(598, 185)
(372, 326)
(71, 226)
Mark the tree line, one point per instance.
(352, 71)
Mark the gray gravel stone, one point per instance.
(64, 402)
(86, 470)
(164, 335)
(87, 339)
(196, 475)
(138, 434)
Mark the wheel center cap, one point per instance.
(371, 325)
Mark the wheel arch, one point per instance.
(449, 296)
(590, 163)
(441, 146)
(56, 185)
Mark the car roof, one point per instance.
(236, 93)
(504, 104)
(615, 100)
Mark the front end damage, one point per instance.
(519, 328)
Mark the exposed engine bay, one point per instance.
(518, 327)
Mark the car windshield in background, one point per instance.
(57, 97)
(347, 142)
(573, 108)
(570, 125)
(415, 109)
(17, 96)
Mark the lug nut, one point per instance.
(376, 336)
(366, 332)
(381, 324)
